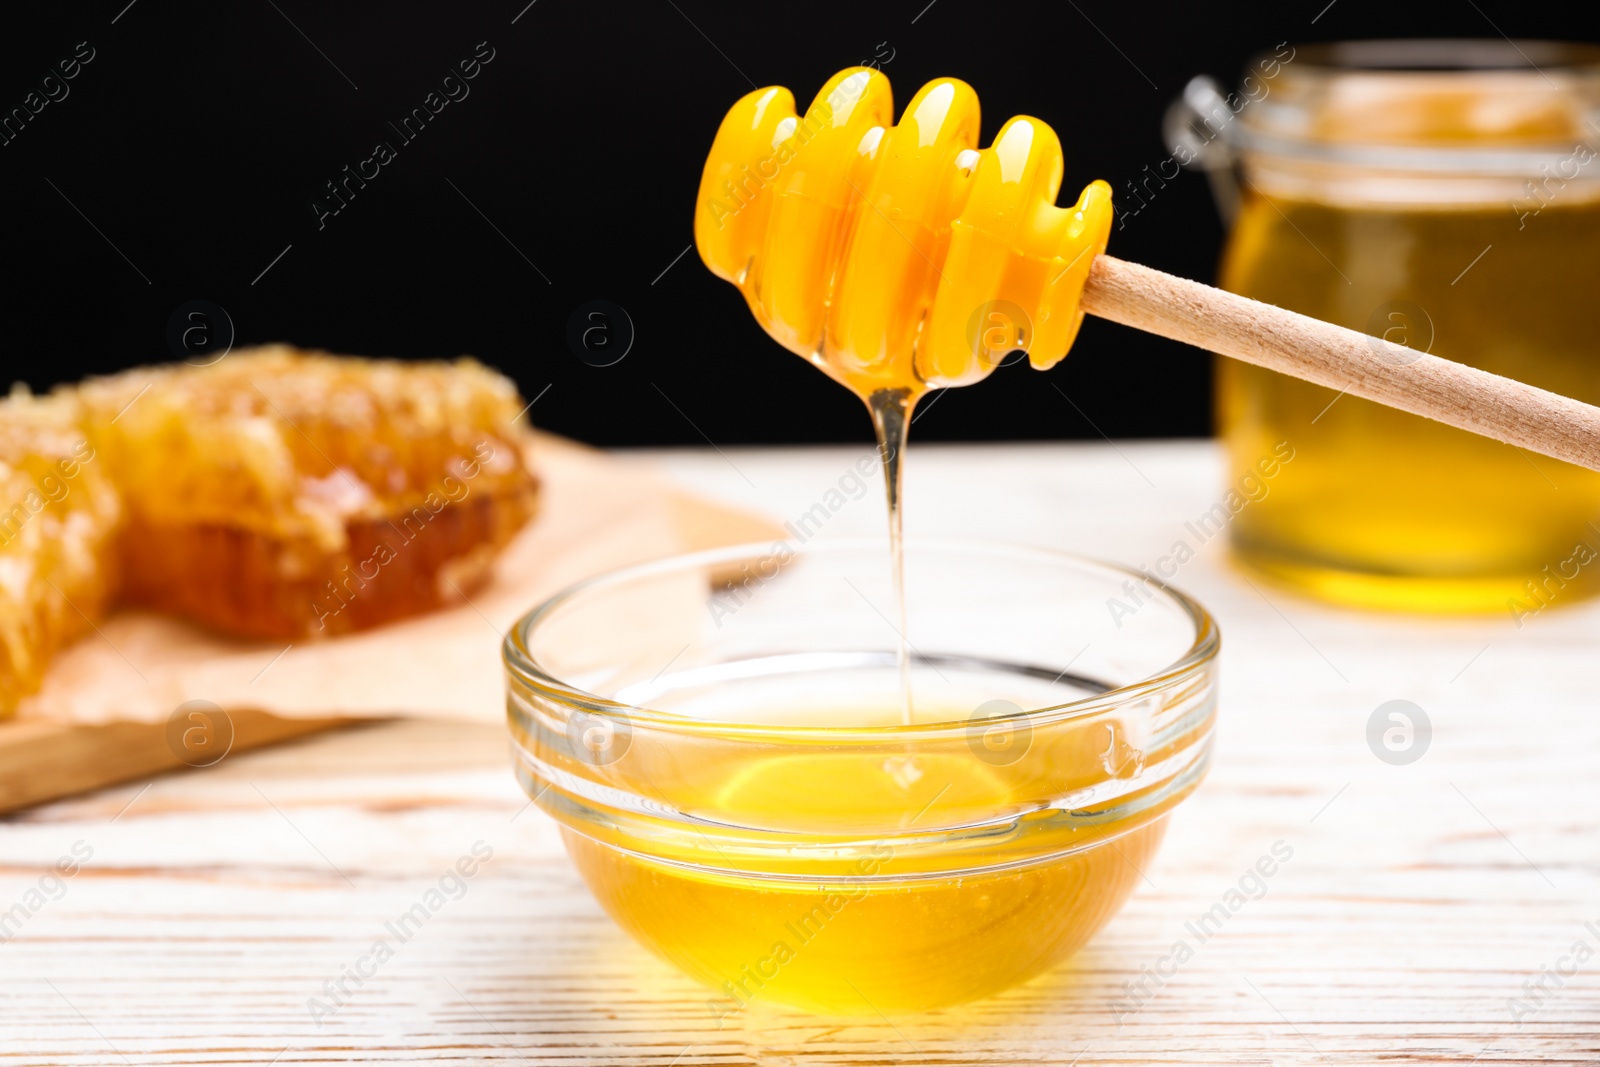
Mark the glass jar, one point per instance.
(1444, 195)
(720, 738)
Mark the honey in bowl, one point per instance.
(1437, 194)
(874, 942)
(739, 792)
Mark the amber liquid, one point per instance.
(1384, 509)
(877, 929)
(891, 419)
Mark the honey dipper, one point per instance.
(889, 254)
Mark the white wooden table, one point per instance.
(1419, 899)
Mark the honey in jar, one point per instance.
(1444, 196)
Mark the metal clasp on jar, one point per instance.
(1199, 130)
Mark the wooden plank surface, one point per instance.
(211, 906)
(41, 759)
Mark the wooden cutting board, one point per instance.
(49, 753)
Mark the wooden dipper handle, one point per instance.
(1303, 347)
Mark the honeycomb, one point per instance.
(274, 494)
(58, 517)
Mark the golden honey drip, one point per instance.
(897, 258)
(888, 255)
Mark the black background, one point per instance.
(197, 138)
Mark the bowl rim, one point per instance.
(521, 666)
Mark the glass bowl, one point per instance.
(721, 738)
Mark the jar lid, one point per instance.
(1369, 111)
(1460, 104)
